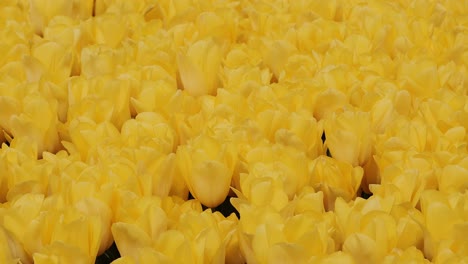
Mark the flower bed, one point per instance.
(193, 131)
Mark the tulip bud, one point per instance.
(349, 137)
(198, 67)
(207, 166)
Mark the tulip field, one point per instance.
(233, 131)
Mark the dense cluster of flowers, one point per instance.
(113, 113)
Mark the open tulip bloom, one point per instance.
(233, 131)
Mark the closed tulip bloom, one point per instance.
(298, 130)
(34, 117)
(443, 218)
(419, 77)
(349, 137)
(283, 163)
(335, 179)
(276, 54)
(207, 166)
(10, 250)
(411, 254)
(55, 59)
(199, 66)
(41, 12)
(405, 185)
(410, 231)
(149, 129)
(454, 178)
(262, 191)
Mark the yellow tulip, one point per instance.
(311, 232)
(382, 113)
(335, 257)
(335, 179)
(443, 218)
(87, 137)
(349, 217)
(50, 234)
(154, 95)
(219, 25)
(103, 25)
(99, 60)
(41, 12)
(276, 54)
(410, 231)
(262, 191)
(300, 131)
(454, 178)
(55, 60)
(270, 236)
(279, 162)
(298, 68)
(349, 137)
(410, 254)
(241, 56)
(375, 238)
(185, 232)
(11, 251)
(317, 34)
(207, 166)
(260, 228)
(100, 99)
(96, 209)
(419, 77)
(34, 117)
(308, 200)
(244, 78)
(199, 67)
(130, 239)
(404, 185)
(20, 214)
(60, 252)
(151, 130)
(362, 248)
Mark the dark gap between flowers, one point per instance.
(109, 255)
(323, 142)
(365, 195)
(225, 208)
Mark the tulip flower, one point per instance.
(55, 59)
(113, 111)
(349, 137)
(376, 234)
(282, 163)
(454, 178)
(207, 166)
(382, 114)
(335, 179)
(300, 131)
(443, 218)
(173, 230)
(419, 77)
(58, 239)
(11, 251)
(411, 254)
(85, 133)
(327, 102)
(103, 25)
(41, 12)
(410, 231)
(262, 191)
(198, 67)
(276, 55)
(149, 129)
(32, 117)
